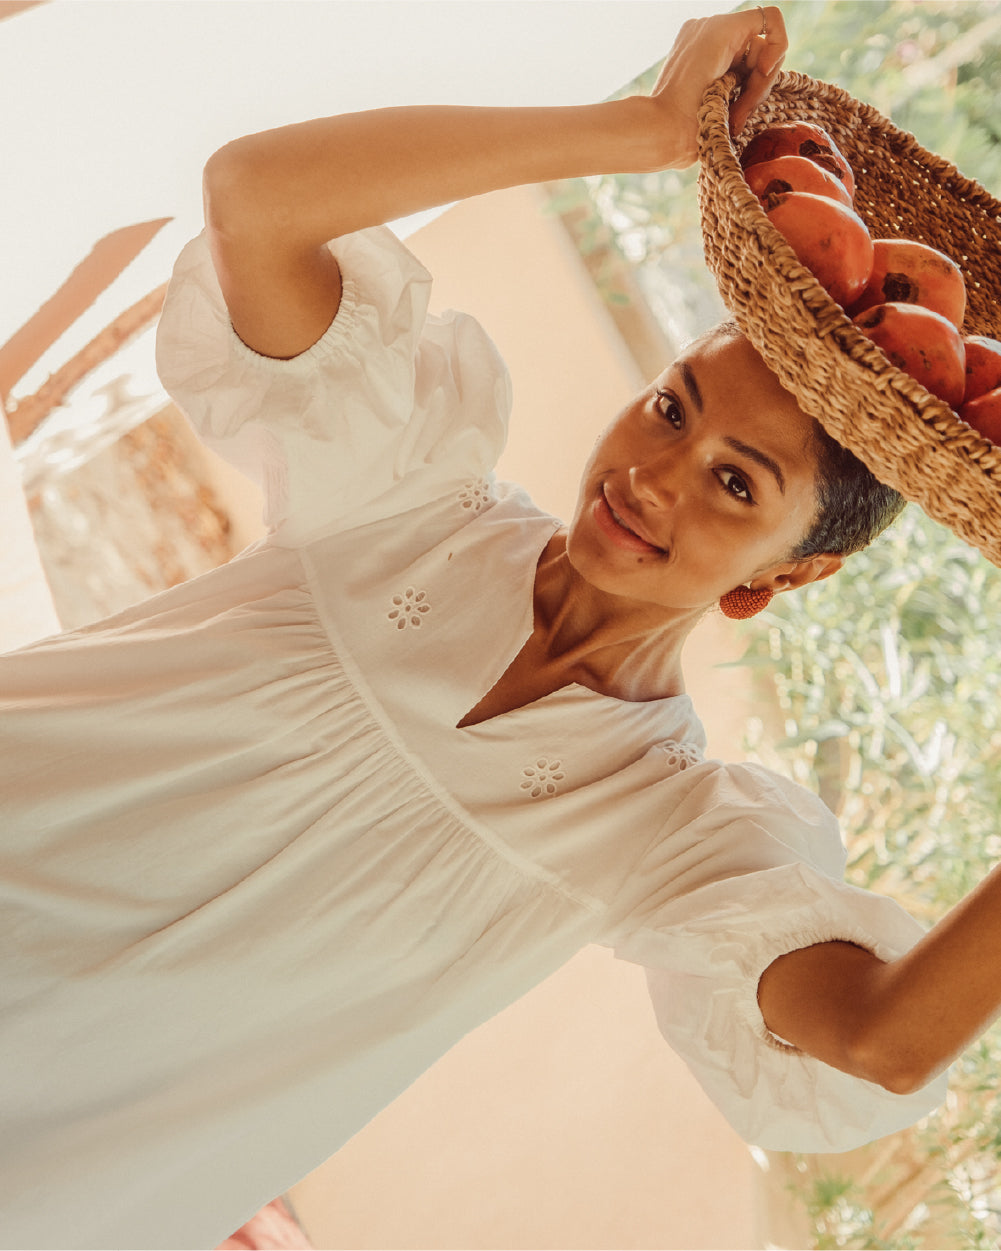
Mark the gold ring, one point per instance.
(764, 24)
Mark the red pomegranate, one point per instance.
(799, 139)
(907, 272)
(795, 173)
(984, 414)
(983, 366)
(922, 343)
(828, 237)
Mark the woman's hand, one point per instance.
(753, 43)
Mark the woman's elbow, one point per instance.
(225, 189)
(898, 1068)
(248, 197)
(901, 1080)
(841, 1003)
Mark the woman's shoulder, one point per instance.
(389, 395)
(740, 813)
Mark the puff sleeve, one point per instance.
(762, 858)
(386, 411)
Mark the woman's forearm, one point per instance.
(273, 200)
(323, 178)
(311, 182)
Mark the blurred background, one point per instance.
(563, 1123)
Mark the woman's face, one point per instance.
(704, 482)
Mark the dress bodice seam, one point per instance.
(424, 775)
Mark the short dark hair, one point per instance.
(853, 506)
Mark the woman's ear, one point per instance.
(793, 573)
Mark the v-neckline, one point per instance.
(538, 691)
(506, 706)
(578, 689)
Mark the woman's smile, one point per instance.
(616, 520)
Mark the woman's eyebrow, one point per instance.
(691, 386)
(755, 454)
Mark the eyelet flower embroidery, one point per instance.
(409, 609)
(543, 777)
(680, 755)
(475, 495)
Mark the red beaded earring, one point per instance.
(743, 602)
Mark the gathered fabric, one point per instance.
(255, 879)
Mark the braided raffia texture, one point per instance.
(911, 440)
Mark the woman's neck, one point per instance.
(617, 646)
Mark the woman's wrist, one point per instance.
(652, 139)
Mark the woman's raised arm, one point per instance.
(272, 200)
(902, 1022)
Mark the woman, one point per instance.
(278, 837)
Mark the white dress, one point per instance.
(255, 880)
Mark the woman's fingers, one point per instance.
(759, 64)
(767, 44)
(751, 42)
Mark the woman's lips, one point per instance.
(619, 531)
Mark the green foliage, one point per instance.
(889, 682)
(651, 223)
(888, 685)
(836, 1205)
(887, 677)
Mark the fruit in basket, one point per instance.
(829, 238)
(983, 366)
(907, 272)
(799, 139)
(922, 343)
(795, 173)
(983, 413)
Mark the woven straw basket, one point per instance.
(908, 438)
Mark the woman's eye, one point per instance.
(669, 408)
(736, 485)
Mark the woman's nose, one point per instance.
(657, 482)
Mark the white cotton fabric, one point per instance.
(255, 880)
